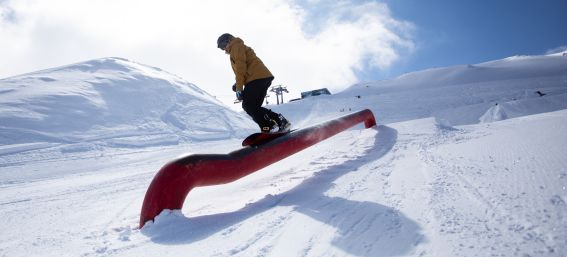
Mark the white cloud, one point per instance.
(557, 50)
(306, 45)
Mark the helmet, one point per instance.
(223, 40)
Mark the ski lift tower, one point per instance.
(279, 90)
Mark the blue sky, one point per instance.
(454, 32)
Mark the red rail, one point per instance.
(173, 182)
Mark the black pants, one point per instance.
(253, 97)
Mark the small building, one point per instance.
(322, 91)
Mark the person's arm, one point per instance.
(238, 55)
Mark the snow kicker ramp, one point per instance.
(173, 182)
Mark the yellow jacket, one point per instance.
(245, 64)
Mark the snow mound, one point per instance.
(111, 101)
(495, 113)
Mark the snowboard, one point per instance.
(262, 138)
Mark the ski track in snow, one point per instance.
(351, 221)
(391, 191)
(463, 199)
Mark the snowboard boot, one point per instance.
(271, 128)
(283, 124)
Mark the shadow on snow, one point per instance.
(363, 228)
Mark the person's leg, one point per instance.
(253, 97)
(280, 120)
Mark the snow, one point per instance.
(111, 101)
(466, 161)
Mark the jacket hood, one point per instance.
(232, 42)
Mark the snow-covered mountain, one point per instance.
(466, 161)
(457, 95)
(111, 101)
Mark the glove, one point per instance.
(234, 87)
(239, 95)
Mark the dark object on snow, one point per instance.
(322, 91)
(540, 93)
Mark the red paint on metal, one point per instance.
(173, 182)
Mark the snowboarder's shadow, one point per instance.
(361, 228)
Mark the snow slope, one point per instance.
(447, 173)
(110, 101)
(458, 95)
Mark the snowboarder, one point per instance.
(252, 82)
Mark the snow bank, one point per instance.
(114, 101)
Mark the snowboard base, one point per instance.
(262, 138)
